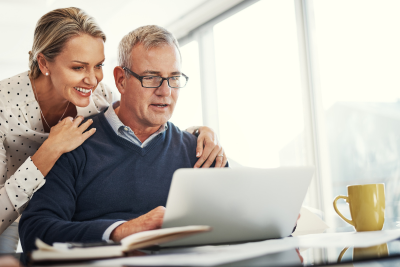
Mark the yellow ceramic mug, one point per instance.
(367, 206)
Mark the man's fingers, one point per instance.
(9, 261)
(159, 209)
(211, 157)
(149, 221)
(156, 213)
(154, 218)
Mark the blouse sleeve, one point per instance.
(8, 213)
(23, 184)
(16, 191)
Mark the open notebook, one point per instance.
(130, 243)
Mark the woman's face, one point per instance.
(77, 70)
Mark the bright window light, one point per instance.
(188, 110)
(259, 88)
(359, 55)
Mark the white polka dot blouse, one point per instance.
(21, 134)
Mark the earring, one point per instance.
(47, 74)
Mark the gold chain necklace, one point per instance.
(34, 87)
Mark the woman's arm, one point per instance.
(16, 192)
(208, 148)
(8, 213)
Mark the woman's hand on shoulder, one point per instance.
(64, 137)
(209, 149)
(69, 134)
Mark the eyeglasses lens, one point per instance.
(155, 81)
(149, 81)
(177, 81)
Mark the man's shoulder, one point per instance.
(99, 120)
(104, 131)
(185, 136)
(95, 117)
(182, 144)
(94, 142)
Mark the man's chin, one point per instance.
(159, 121)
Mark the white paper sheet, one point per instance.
(309, 223)
(348, 239)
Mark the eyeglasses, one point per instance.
(177, 81)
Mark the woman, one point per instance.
(37, 107)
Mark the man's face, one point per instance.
(152, 107)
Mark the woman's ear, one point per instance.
(43, 64)
(120, 79)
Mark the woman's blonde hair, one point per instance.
(54, 29)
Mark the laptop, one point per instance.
(241, 204)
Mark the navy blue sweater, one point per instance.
(105, 180)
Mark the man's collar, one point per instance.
(116, 123)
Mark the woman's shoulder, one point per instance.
(102, 94)
(16, 90)
(15, 80)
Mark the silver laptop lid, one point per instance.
(242, 204)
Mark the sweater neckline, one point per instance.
(140, 150)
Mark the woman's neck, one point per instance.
(52, 104)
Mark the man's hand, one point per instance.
(295, 226)
(9, 261)
(149, 221)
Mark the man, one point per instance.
(117, 182)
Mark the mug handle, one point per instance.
(338, 212)
(341, 254)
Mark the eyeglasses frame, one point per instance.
(140, 78)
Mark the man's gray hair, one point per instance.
(149, 36)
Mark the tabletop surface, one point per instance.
(387, 254)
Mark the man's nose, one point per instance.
(164, 89)
(90, 78)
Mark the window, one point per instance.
(188, 111)
(259, 90)
(359, 71)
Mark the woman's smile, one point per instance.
(83, 92)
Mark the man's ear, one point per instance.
(120, 79)
(43, 64)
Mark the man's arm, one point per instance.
(49, 213)
(149, 221)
